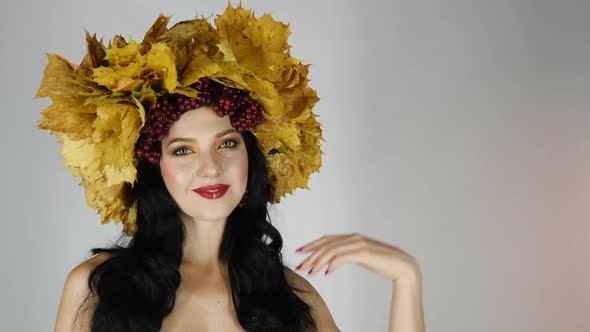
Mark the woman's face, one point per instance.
(203, 149)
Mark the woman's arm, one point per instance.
(407, 312)
(390, 262)
(74, 294)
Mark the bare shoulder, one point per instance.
(320, 311)
(75, 294)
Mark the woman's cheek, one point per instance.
(245, 166)
(243, 171)
(172, 174)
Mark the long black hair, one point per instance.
(135, 289)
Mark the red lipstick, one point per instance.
(213, 191)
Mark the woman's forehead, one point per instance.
(201, 122)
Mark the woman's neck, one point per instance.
(202, 241)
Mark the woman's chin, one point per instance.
(213, 214)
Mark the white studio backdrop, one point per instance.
(456, 130)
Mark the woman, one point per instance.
(186, 138)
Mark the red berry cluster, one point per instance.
(243, 110)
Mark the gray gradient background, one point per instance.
(456, 130)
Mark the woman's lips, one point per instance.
(212, 191)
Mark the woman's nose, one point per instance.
(208, 165)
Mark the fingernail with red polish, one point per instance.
(326, 272)
(299, 249)
(310, 271)
(298, 266)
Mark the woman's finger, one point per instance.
(348, 253)
(324, 253)
(318, 242)
(324, 239)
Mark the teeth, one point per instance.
(212, 190)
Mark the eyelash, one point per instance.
(235, 144)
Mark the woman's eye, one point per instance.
(181, 149)
(232, 145)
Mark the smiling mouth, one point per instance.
(213, 191)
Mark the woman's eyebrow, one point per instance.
(188, 139)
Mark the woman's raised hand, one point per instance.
(406, 311)
(336, 250)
